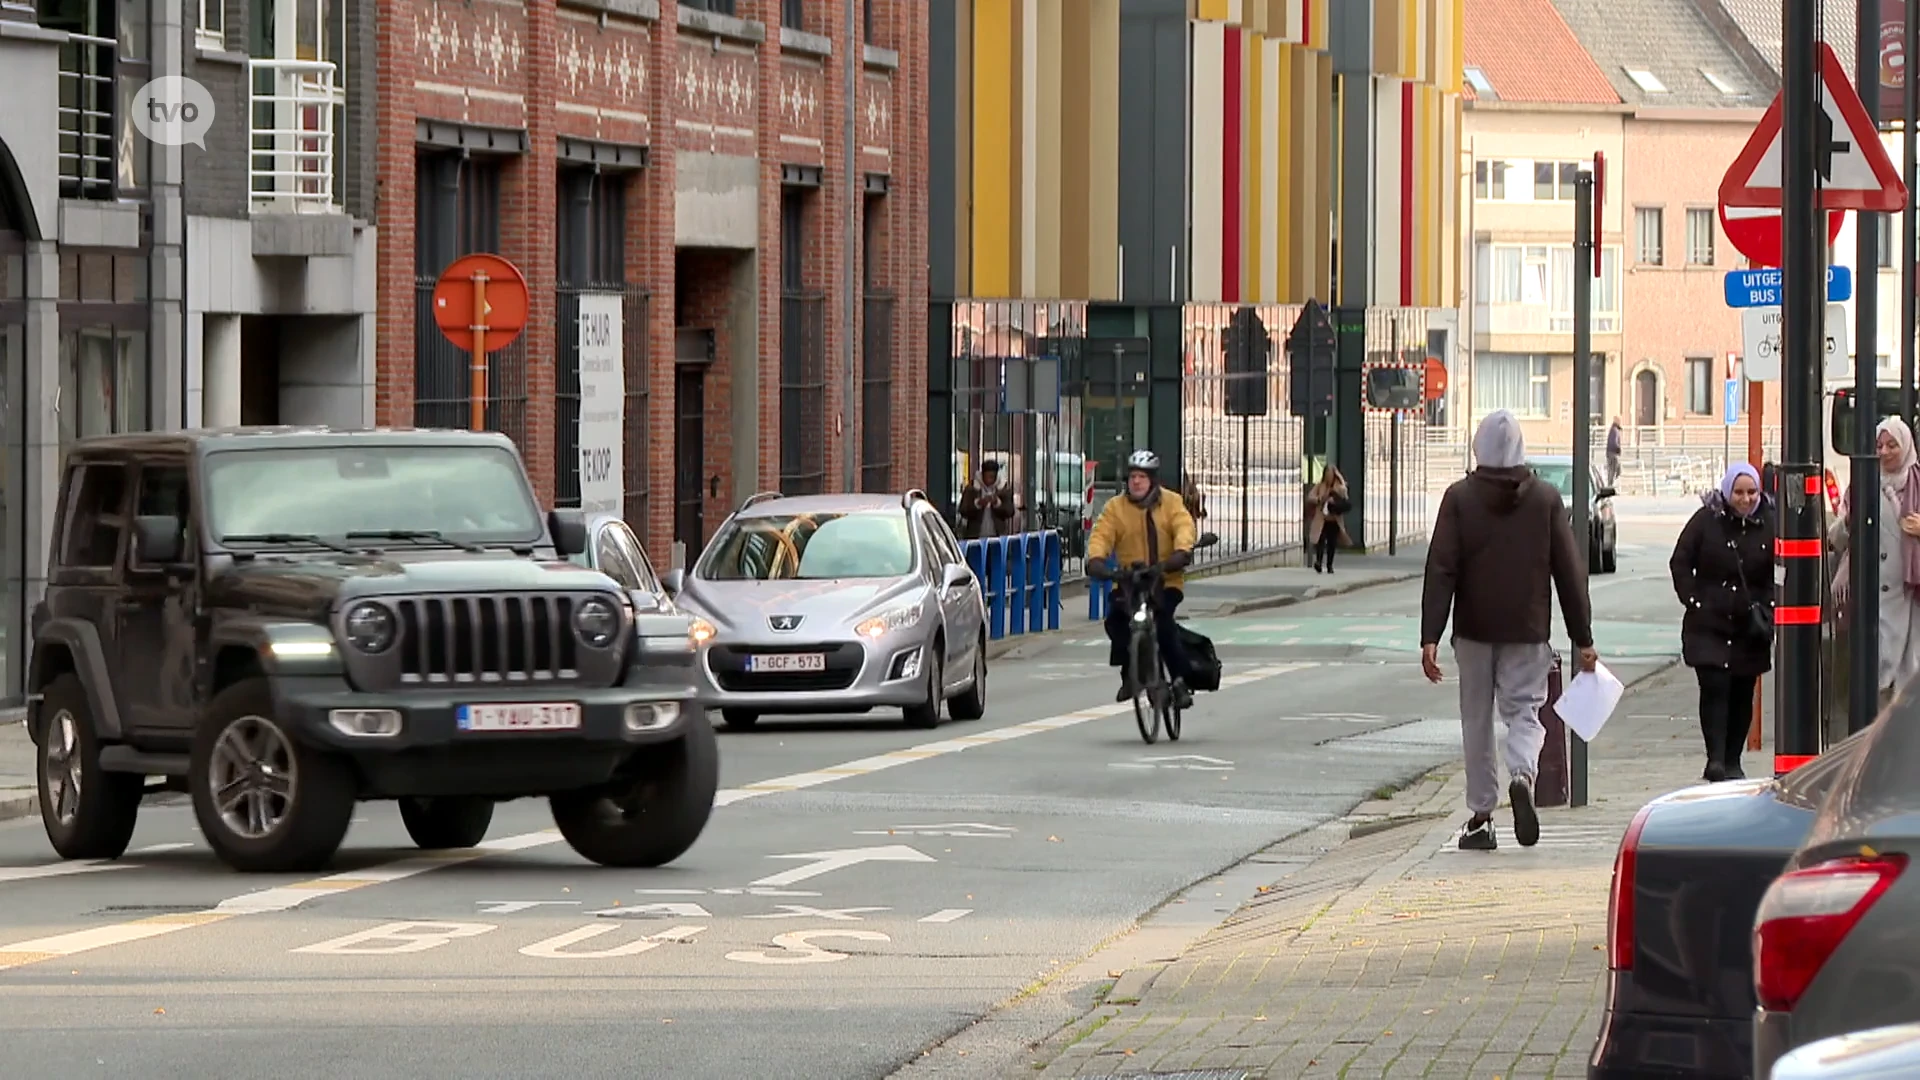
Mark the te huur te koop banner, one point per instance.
(603, 396)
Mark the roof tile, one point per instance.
(1527, 53)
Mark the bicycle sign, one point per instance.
(1760, 338)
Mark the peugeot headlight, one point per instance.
(596, 622)
(886, 622)
(701, 632)
(370, 627)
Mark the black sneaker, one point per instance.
(1182, 697)
(1478, 836)
(1126, 692)
(1526, 820)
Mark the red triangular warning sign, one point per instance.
(1858, 174)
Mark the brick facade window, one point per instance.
(793, 13)
(1649, 225)
(1700, 236)
(1700, 388)
(718, 7)
(457, 212)
(803, 359)
(591, 252)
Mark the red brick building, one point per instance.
(692, 160)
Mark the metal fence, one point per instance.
(1246, 469)
(634, 308)
(803, 393)
(86, 124)
(1396, 510)
(876, 394)
(442, 380)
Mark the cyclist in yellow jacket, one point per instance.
(1148, 526)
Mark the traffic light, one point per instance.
(1248, 351)
(1310, 362)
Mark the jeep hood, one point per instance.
(312, 585)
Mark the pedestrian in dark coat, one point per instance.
(1723, 574)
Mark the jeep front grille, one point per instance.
(489, 638)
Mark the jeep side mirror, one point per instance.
(569, 529)
(672, 580)
(158, 539)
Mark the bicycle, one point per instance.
(1154, 703)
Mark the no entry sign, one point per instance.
(1755, 231)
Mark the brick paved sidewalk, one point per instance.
(1398, 955)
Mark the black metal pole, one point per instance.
(1864, 659)
(1583, 213)
(1393, 488)
(1910, 239)
(1803, 342)
(1246, 485)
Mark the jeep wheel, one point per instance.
(265, 803)
(88, 813)
(654, 811)
(447, 821)
(972, 705)
(740, 719)
(927, 714)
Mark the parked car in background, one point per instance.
(1888, 1053)
(1604, 533)
(837, 604)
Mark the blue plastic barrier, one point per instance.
(1020, 578)
(1099, 593)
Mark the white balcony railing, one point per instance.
(1535, 319)
(86, 117)
(291, 158)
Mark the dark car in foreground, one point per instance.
(285, 622)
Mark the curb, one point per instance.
(18, 806)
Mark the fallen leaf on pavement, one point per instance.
(159, 1012)
(666, 1020)
(1426, 1012)
(1115, 974)
(1055, 840)
(1259, 1019)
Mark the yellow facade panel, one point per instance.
(1049, 142)
(1103, 155)
(994, 134)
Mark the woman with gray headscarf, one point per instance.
(1899, 556)
(1722, 570)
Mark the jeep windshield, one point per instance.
(872, 544)
(458, 495)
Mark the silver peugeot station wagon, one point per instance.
(837, 604)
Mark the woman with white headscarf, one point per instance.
(1899, 555)
(1722, 570)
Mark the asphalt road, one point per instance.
(984, 857)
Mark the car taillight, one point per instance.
(1804, 917)
(1833, 491)
(1620, 896)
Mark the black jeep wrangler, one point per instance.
(283, 621)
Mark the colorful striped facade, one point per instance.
(1047, 196)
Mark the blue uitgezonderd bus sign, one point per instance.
(1762, 288)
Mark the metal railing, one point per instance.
(87, 105)
(876, 394)
(290, 162)
(442, 378)
(634, 307)
(803, 393)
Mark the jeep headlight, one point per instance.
(880, 625)
(370, 627)
(596, 621)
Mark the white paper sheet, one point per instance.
(1589, 700)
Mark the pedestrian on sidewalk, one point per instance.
(1502, 545)
(1899, 556)
(1722, 569)
(1613, 452)
(986, 505)
(1327, 506)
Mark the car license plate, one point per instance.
(788, 662)
(519, 717)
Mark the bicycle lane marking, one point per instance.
(287, 897)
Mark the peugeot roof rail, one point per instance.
(759, 497)
(912, 496)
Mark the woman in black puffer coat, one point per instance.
(1723, 573)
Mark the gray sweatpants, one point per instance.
(1508, 681)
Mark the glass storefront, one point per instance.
(13, 430)
(103, 343)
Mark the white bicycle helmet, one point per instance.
(1145, 460)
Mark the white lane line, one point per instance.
(948, 915)
(869, 765)
(287, 897)
(59, 869)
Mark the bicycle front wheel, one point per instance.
(1146, 709)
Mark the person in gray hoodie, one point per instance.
(1502, 545)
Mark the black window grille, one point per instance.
(793, 13)
(457, 212)
(591, 248)
(718, 7)
(803, 359)
(876, 394)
